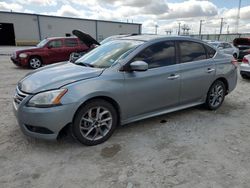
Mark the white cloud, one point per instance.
(67, 10)
(38, 2)
(148, 12)
(10, 6)
(190, 8)
(232, 13)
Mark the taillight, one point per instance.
(235, 62)
(244, 60)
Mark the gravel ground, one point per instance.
(192, 148)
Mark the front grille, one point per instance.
(19, 96)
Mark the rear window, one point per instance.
(191, 51)
(71, 42)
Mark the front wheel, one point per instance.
(95, 122)
(216, 95)
(35, 62)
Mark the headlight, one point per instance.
(47, 99)
(23, 55)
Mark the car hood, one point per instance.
(28, 50)
(85, 38)
(56, 76)
(241, 41)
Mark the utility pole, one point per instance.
(200, 27)
(221, 26)
(156, 26)
(185, 29)
(238, 18)
(179, 28)
(227, 29)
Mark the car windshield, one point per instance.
(107, 54)
(107, 40)
(42, 43)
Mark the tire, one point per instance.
(35, 62)
(89, 128)
(244, 76)
(215, 95)
(235, 55)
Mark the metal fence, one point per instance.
(221, 37)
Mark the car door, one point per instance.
(158, 87)
(228, 49)
(70, 45)
(197, 71)
(55, 51)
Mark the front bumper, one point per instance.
(43, 123)
(19, 61)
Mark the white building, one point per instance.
(28, 29)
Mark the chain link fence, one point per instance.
(222, 37)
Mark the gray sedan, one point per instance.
(122, 81)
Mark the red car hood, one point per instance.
(32, 49)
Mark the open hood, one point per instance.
(241, 41)
(86, 38)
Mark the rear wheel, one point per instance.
(216, 95)
(35, 62)
(95, 122)
(244, 76)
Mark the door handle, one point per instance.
(173, 76)
(209, 70)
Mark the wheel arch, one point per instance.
(113, 102)
(35, 55)
(224, 80)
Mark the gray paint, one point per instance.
(139, 94)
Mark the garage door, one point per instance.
(7, 34)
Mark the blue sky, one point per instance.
(164, 13)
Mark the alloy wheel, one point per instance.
(96, 123)
(35, 63)
(216, 95)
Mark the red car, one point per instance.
(50, 50)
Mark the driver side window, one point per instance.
(55, 44)
(158, 55)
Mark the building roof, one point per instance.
(62, 17)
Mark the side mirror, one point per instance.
(138, 66)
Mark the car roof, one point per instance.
(52, 38)
(148, 38)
